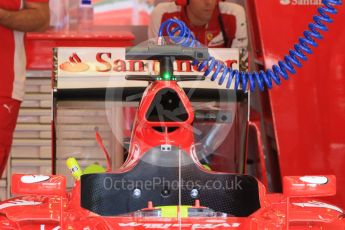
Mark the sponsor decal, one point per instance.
(209, 36)
(8, 108)
(102, 62)
(314, 179)
(74, 65)
(285, 2)
(179, 225)
(43, 227)
(108, 67)
(300, 2)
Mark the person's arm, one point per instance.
(34, 17)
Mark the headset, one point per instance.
(185, 2)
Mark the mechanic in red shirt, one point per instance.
(214, 23)
(16, 17)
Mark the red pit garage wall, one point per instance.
(308, 110)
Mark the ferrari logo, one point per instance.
(209, 36)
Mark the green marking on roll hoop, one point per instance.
(166, 76)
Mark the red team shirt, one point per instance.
(233, 17)
(12, 78)
(12, 55)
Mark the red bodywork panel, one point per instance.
(295, 186)
(38, 185)
(308, 110)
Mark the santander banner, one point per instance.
(107, 67)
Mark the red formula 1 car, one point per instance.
(164, 183)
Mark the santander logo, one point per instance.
(300, 2)
(74, 65)
(105, 62)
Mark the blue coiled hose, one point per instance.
(186, 38)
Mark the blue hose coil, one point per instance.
(268, 77)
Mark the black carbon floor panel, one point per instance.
(158, 178)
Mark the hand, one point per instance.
(34, 17)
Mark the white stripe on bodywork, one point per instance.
(317, 204)
(19, 203)
(32, 179)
